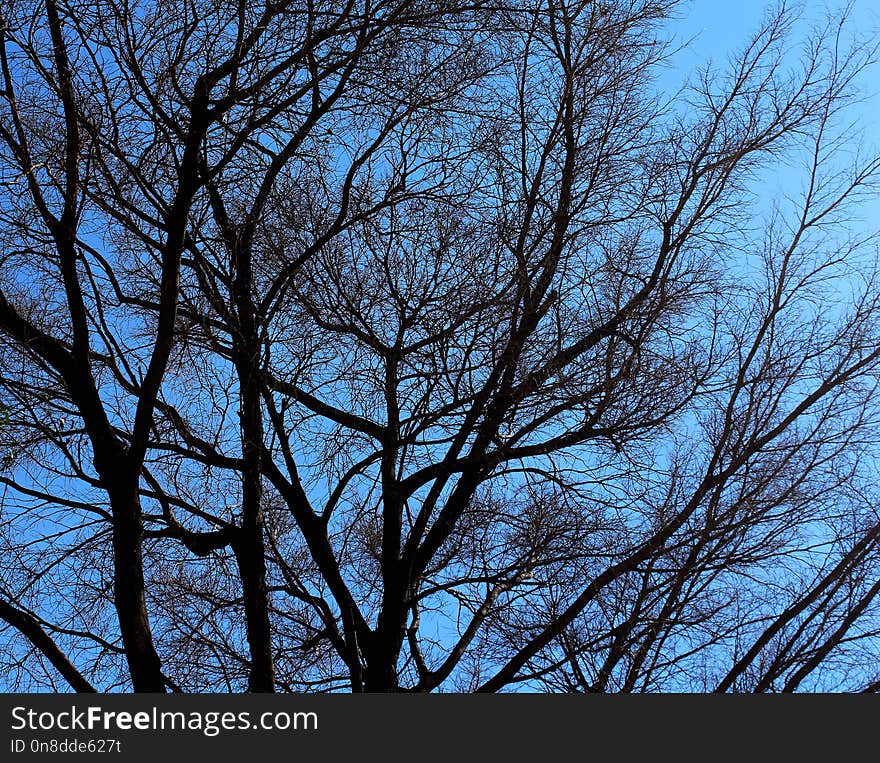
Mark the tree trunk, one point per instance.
(129, 593)
(249, 547)
(382, 657)
(250, 554)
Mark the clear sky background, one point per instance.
(722, 25)
(718, 28)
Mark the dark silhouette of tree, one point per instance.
(420, 345)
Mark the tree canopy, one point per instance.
(413, 345)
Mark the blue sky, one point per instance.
(720, 27)
(721, 24)
(713, 30)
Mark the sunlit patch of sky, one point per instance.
(711, 31)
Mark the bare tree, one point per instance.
(413, 346)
